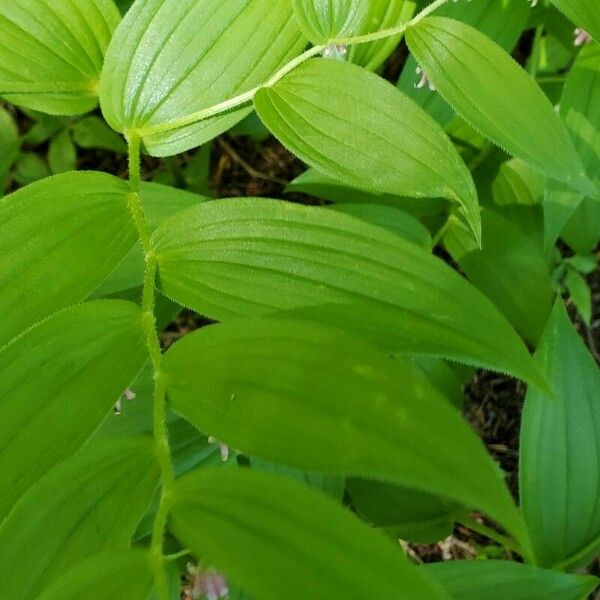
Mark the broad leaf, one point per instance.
(518, 183)
(583, 13)
(10, 143)
(278, 539)
(231, 47)
(575, 217)
(497, 97)
(257, 257)
(367, 414)
(354, 126)
(57, 383)
(51, 52)
(501, 20)
(503, 580)
(381, 14)
(324, 20)
(59, 238)
(89, 503)
(513, 272)
(106, 576)
(560, 458)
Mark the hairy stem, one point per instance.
(161, 437)
(248, 96)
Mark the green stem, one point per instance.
(248, 96)
(535, 52)
(161, 436)
(491, 534)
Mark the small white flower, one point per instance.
(335, 51)
(128, 394)
(581, 37)
(206, 584)
(223, 448)
(533, 3)
(424, 80)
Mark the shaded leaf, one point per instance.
(57, 383)
(278, 539)
(560, 458)
(367, 414)
(89, 503)
(583, 13)
(323, 20)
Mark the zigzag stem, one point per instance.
(161, 437)
(248, 96)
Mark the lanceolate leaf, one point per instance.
(107, 576)
(89, 503)
(560, 458)
(501, 580)
(354, 126)
(583, 13)
(580, 110)
(57, 383)
(59, 238)
(278, 539)
(255, 257)
(324, 20)
(51, 52)
(496, 96)
(266, 384)
(501, 20)
(229, 48)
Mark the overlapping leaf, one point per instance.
(89, 503)
(279, 539)
(497, 97)
(583, 13)
(560, 457)
(228, 48)
(367, 414)
(57, 383)
(324, 20)
(256, 257)
(354, 126)
(51, 52)
(59, 238)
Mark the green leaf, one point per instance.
(583, 13)
(93, 133)
(497, 97)
(61, 154)
(412, 515)
(581, 295)
(234, 45)
(518, 183)
(59, 238)
(580, 110)
(324, 20)
(396, 221)
(58, 381)
(354, 126)
(51, 53)
(278, 539)
(90, 503)
(257, 257)
(560, 458)
(158, 203)
(367, 414)
(501, 20)
(107, 576)
(10, 143)
(513, 272)
(30, 167)
(501, 580)
(381, 14)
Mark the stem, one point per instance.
(161, 436)
(491, 534)
(248, 96)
